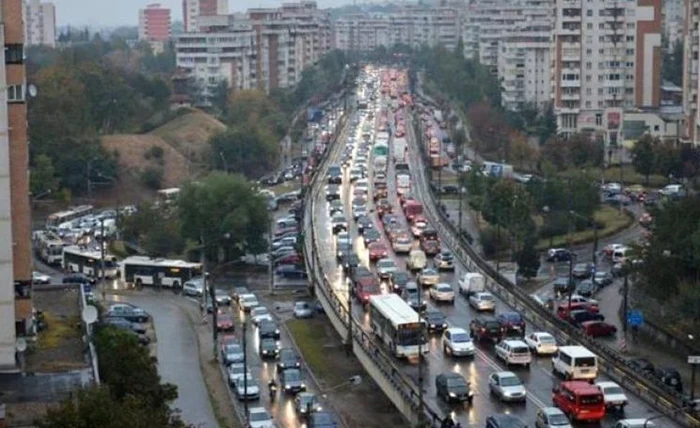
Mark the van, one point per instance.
(416, 260)
(620, 254)
(514, 352)
(580, 400)
(635, 423)
(575, 362)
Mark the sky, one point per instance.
(111, 13)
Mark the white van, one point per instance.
(575, 362)
(416, 260)
(620, 254)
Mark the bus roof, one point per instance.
(71, 210)
(169, 191)
(576, 351)
(49, 237)
(86, 252)
(147, 261)
(394, 308)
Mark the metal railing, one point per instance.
(363, 341)
(662, 396)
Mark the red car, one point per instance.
(290, 259)
(364, 285)
(563, 308)
(430, 248)
(224, 322)
(383, 207)
(377, 250)
(598, 328)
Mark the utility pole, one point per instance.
(89, 183)
(459, 214)
(203, 261)
(348, 347)
(214, 314)
(270, 269)
(102, 252)
(421, 402)
(245, 368)
(570, 281)
(625, 302)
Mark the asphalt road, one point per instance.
(538, 379)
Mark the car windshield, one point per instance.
(400, 277)
(249, 299)
(521, 350)
(461, 338)
(292, 375)
(486, 297)
(429, 272)
(444, 288)
(511, 317)
(456, 383)
(546, 339)
(259, 416)
(613, 390)
(306, 399)
(585, 362)
(233, 348)
(302, 305)
(558, 419)
(386, 263)
(434, 316)
(260, 310)
(268, 343)
(511, 381)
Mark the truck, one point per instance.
(403, 182)
(400, 148)
(470, 283)
(380, 163)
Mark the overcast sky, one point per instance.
(110, 13)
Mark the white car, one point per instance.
(40, 278)
(514, 352)
(259, 417)
(402, 244)
(482, 301)
(247, 302)
(542, 343)
(613, 395)
(442, 292)
(457, 343)
(260, 313)
(386, 267)
(236, 372)
(249, 391)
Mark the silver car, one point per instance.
(551, 417)
(507, 386)
(303, 310)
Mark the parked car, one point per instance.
(451, 386)
(586, 288)
(303, 309)
(127, 311)
(507, 386)
(559, 255)
(40, 278)
(642, 365)
(598, 328)
(670, 377)
(78, 278)
(291, 272)
(603, 279)
(583, 270)
(563, 286)
(579, 316)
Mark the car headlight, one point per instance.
(287, 387)
(452, 394)
(277, 332)
(444, 325)
(432, 325)
(303, 385)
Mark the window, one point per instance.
(15, 93)
(14, 54)
(599, 119)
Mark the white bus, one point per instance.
(168, 196)
(80, 258)
(397, 325)
(48, 246)
(140, 271)
(56, 219)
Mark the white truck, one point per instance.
(382, 138)
(403, 182)
(470, 283)
(400, 147)
(380, 163)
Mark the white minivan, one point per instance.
(575, 362)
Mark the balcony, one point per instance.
(571, 97)
(570, 83)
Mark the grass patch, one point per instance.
(609, 216)
(287, 186)
(310, 336)
(118, 249)
(629, 176)
(58, 330)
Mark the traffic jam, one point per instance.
(481, 362)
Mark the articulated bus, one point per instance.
(140, 271)
(56, 219)
(397, 325)
(48, 247)
(81, 259)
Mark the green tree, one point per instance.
(154, 229)
(223, 205)
(528, 258)
(43, 176)
(245, 149)
(644, 156)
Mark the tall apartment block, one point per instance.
(411, 25)
(154, 23)
(606, 58)
(39, 23)
(261, 49)
(15, 232)
(673, 21)
(691, 39)
(193, 9)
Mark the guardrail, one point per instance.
(92, 352)
(374, 358)
(665, 399)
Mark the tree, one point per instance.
(226, 212)
(154, 229)
(644, 157)
(528, 259)
(43, 177)
(584, 151)
(521, 152)
(245, 149)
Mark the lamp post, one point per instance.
(692, 360)
(421, 402)
(245, 366)
(545, 209)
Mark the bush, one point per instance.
(152, 177)
(155, 152)
(491, 243)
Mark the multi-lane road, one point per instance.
(538, 379)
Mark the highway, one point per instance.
(538, 379)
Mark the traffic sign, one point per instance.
(635, 318)
(693, 359)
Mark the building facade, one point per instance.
(15, 224)
(606, 57)
(193, 9)
(673, 20)
(261, 49)
(154, 23)
(39, 23)
(691, 39)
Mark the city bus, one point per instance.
(140, 271)
(56, 219)
(48, 247)
(82, 259)
(397, 325)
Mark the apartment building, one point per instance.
(193, 9)
(606, 58)
(691, 39)
(263, 48)
(673, 21)
(39, 23)
(154, 23)
(411, 25)
(15, 231)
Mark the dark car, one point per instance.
(563, 286)
(292, 381)
(512, 323)
(414, 298)
(370, 236)
(268, 348)
(451, 386)
(77, 278)
(598, 328)
(343, 249)
(504, 421)
(288, 359)
(350, 261)
(436, 320)
(583, 270)
(670, 376)
(642, 365)
(127, 311)
(486, 327)
(268, 329)
(559, 255)
(122, 324)
(364, 223)
(586, 288)
(322, 420)
(578, 316)
(399, 280)
(291, 272)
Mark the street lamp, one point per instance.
(545, 209)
